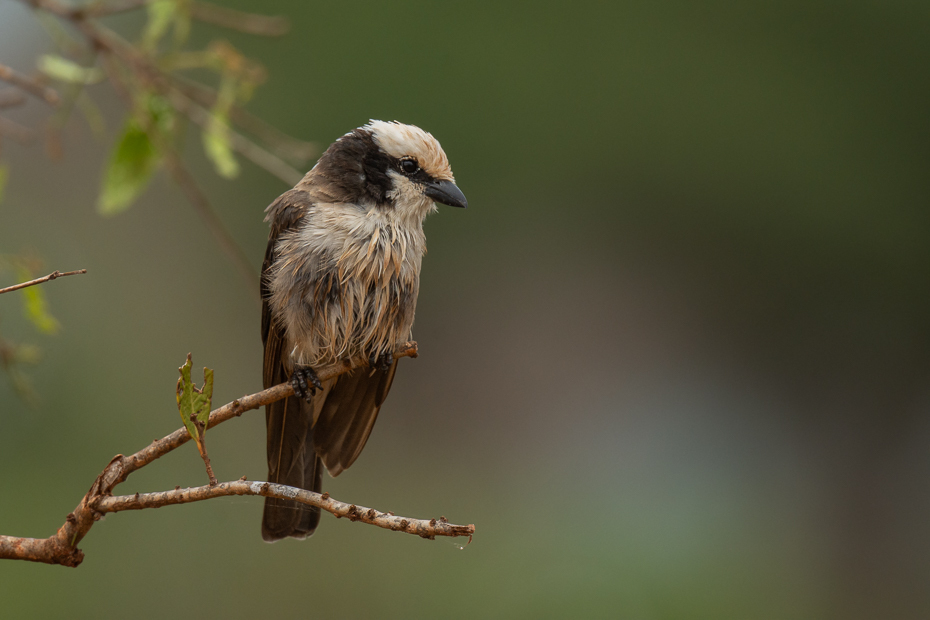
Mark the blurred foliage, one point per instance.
(162, 16)
(35, 306)
(150, 74)
(65, 70)
(134, 158)
(14, 355)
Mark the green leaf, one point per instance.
(132, 163)
(194, 404)
(4, 175)
(35, 307)
(59, 68)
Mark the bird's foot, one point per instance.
(381, 361)
(305, 382)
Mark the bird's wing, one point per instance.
(291, 459)
(341, 416)
(347, 415)
(284, 214)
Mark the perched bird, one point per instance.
(340, 281)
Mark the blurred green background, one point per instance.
(675, 356)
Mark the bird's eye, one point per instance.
(409, 166)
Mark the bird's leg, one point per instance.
(381, 361)
(305, 382)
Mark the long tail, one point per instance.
(291, 461)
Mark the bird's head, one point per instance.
(392, 166)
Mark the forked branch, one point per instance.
(427, 528)
(61, 548)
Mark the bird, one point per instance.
(339, 282)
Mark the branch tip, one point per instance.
(52, 276)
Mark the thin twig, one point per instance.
(186, 182)
(110, 41)
(202, 447)
(49, 277)
(106, 39)
(249, 23)
(115, 48)
(30, 85)
(245, 147)
(427, 528)
(164, 84)
(111, 7)
(200, 202)
(61, 548)
(284, 146)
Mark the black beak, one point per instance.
(447, 193)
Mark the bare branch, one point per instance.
(61, 548)
(111, 7)
(186, 182)
(111, 42)
(249, 23)
(427, 528)
(45, 550)
(245, 147)
(30, 85)
(200, 202)
(278, 142)
(49, 277)
(117, 51)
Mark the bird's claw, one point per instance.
(305, 382)
(381, 361)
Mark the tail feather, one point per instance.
(291, 461)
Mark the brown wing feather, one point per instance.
(348, 415)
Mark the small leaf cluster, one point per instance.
(194, 403)
(150, 74)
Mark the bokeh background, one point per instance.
(675, 356)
